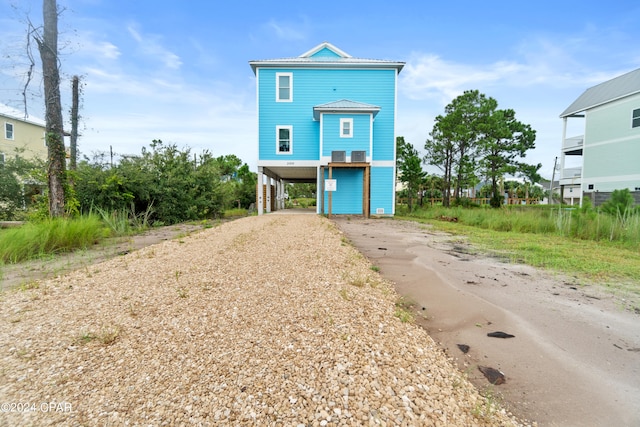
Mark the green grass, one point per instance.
(51, 236)
(236, 212)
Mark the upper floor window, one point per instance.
(8, 130)
(284, 135)
(284, 87)
(635, 120)
(346, 128)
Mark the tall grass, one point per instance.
(584, 224)
(50, 236)
(125, 221)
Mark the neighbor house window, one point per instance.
(284, 141)
(635, 120)
(284, 87)
(8, 130)
(346, 128)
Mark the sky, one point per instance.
(179, 71)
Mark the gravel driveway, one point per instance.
(270, 320)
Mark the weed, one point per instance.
(84, 338)
(358, 282)
(33, 284)
(344, 294)
(404, 309)
(487, 405)
(375, 268)
(109, 335)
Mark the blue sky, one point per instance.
(178, 71)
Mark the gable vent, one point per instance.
(338, 156)
(358, 156)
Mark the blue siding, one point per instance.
(325, 53)
(312, 87)
(382, 190)
(347, 199)
(331, 133)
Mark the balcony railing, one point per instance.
(573, 143)
(570, 173)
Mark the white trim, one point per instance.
(383, 164)
(321, 134)
(327, 45)
(342, 123)
(371, 119)
(290, 75)
(290, 129)
(13, 131)
(258, 113)
(282, 163)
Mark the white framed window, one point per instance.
(635, 118)
(284, 139)
(8, 130)
(284, 87)
(346, 128)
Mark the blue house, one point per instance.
(329, 118)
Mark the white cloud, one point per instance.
(150, 46)
(286, 31)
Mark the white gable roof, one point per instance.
(341, 59)
(344, 106)
(611, 90)
(325, 45)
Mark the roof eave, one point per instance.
(326, 64)
(570, 112)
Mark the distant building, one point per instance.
(606, 156)
(23, 133)
(329, 118)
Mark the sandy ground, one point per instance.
(575, 357)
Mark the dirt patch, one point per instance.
(571, 361)
(24, 273)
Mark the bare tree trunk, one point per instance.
(73, 142)
(48, 48)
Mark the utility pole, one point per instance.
(553, 176)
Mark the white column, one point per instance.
(260, 191)
(282, 187)
(268, 201)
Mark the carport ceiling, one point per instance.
(295, 174)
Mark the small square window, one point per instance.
(8, 130)
(284, 140)
(635, 119)
(346, 128)
(284, 87)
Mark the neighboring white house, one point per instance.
(606, 156)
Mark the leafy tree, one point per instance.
(454, 141)
(21, 181)
(440, 152)
(409, 168)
